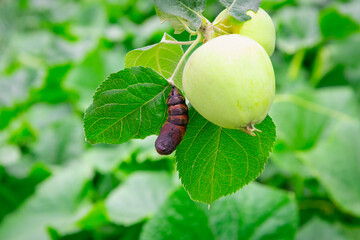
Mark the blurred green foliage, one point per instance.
(53, 185)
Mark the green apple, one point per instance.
(230, 81)
(260, 28)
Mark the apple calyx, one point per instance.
(250, 129)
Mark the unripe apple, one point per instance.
(260, 28)
(230, 81)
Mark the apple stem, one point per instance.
(183, 58)
(208, 33)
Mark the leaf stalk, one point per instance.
(186, 27)
(223, 16)
(183, 58)
(178, 42)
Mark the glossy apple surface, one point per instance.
(230, 81)
(260, 28)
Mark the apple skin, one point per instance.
(260, 28)
(230, 81)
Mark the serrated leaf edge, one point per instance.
(98, 90)
(267, 156)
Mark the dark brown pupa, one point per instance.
(173, 131)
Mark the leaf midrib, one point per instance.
(191, 10)
(120, 119)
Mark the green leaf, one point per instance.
(85, 77)
(52, 90)
(335, 162)
(352, 9)
(214, 161)
(60, 142)
(58, 203)
(47, 46)
(14, 93)
(302, 118)
(9, 114)
(293, 120)
(297, 28)
(178, 218)
(162, 57)
(319, 229)
(59, 137)
(238, 8)
(15, 88)
(176, 22)
(288, 162)
(106, 158)
(187, 9)
(350, 231)
(14, 190)
(331, 154)
(272, 4)
(95, 218)
(255, 212)
(337, 62)
(334, 24)
(138, 197)
(129, 104)
(345, 51)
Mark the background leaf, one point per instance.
(319, 229)
(315, 133)
(178, 218)
(129, 104)
(162, 57)
(335, 162)
(96, 66)
(188, 9)
(16, 87)
(302, 115)
(302, 136)
(334, 24)
(255, 212)
(57, 203)
(106, 158)
(238, 8)
(214, 161)
(59, 137)
(297, 29)
(15, 190)
(126, 206)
